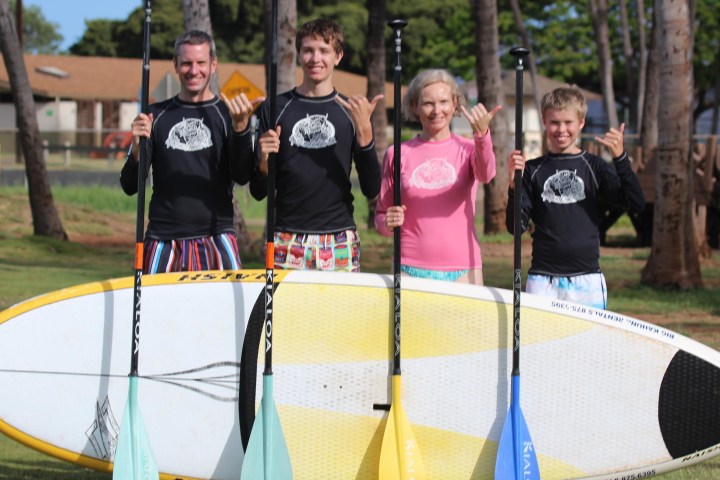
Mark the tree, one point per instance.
(376, 75)
(490, 93)
(197, 17)
(525, 40)
(287, 28)
(46, 221)
(598, 12)
(38, 34)
(674, 259)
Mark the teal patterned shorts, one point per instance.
(447, 276)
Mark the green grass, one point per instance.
(32, 266)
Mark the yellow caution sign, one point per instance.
(237, 84)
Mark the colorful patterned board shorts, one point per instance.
(218, 252)
(447, 276)
(339, 251)
(589, 289)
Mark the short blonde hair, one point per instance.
(568, 97)
(422, 80)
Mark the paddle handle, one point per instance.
(140, 218)
(270, 213)
(397, 25)
(520, 54)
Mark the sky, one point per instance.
(70, 15)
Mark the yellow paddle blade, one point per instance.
(399, 455)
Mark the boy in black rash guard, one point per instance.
(198, 145)
(317, 136)
(561, 192)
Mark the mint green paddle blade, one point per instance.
(133, 456)
(267, 456)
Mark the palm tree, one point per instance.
(598, 10)
(490, 94)
(46, 221)
(375, 45)
(196, 15)
(674, 258)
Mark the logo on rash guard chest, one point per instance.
(313, 131)
(190, 135)
(564, 187)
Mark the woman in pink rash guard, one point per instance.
(440, 174)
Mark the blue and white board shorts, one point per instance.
(589, 289)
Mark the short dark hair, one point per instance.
(324, 28)
(194, 37)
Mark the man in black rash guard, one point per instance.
(198, 146)
(561, 191)
(319, 133)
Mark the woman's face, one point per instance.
(435, 108)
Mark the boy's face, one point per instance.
(318, 59)
(563, 128)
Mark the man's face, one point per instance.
(194, 67)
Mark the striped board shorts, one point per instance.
(589, 289)
(217, 252)
(339, 251)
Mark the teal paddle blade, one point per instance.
(133, 456)
(267, 456)
(516, 458)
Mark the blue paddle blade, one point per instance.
(133, 456)
(267, 456)
(516, 458)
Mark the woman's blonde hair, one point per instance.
(422, 80)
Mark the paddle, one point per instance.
(516, 453)
(267, 456)
(399, 455)
(133, 456)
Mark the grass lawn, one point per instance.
(100, 223)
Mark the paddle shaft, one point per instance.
(142, 171)
(519, 53)
(397, 26)
(270, 218)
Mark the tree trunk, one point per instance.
(287, 28)
(197, 17)
(376, 83)
(46, 221)
(674, 259)
(490, 94)
(525, 39)
(651, 103)
(629, 67)
(642, 74)
(598, 12)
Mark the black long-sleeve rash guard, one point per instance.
(560, 195)
(317, 147)
(195, 156)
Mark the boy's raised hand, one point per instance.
(613, 140)
(479, 118)
(360, 110)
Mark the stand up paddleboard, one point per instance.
(606, 396)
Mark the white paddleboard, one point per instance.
(604, 395)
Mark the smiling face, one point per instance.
(563, 128)
(435, 109)
(318, 60)
(194, 67)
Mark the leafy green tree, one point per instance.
(38, 34)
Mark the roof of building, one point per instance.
(103, 78)
(72, 77)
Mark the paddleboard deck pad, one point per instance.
(604, 395)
